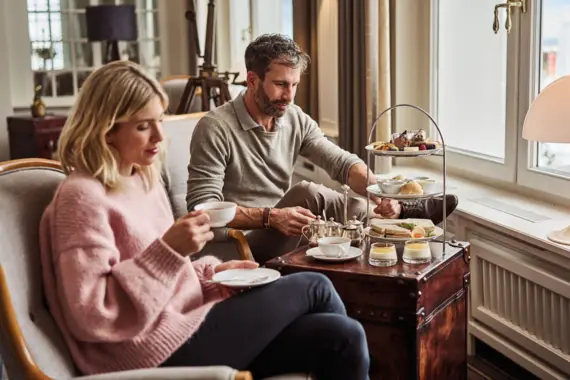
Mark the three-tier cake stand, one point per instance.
(438, 151)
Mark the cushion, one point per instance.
(24, 194)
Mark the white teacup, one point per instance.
(221, 213)
(429, 185)
(334, 246)
(391, 186)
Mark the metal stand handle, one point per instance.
(444, 164)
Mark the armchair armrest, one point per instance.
(175, 373)
(242, 244)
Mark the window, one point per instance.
(472, 82)
(249, 19)
(61, 58)
(483, 83)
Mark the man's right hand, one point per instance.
(290, 220)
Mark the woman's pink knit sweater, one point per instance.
(121, 297)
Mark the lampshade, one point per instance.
(111, 23)
(548, 118)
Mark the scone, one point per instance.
(411, 188)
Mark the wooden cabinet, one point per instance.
(415, 316)
(31, 137)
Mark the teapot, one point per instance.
(354, 230)
(333, 228)
(316, 230)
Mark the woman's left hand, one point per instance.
(236, 264)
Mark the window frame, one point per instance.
(470, 162)
(20, 65)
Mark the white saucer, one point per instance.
(352, 254)
(246, 278)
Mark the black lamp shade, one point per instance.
(111, 23)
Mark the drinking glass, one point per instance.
(416, 252)
(382, 255)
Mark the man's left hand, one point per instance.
(236, 264)
(389, 209)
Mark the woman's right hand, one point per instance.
(189, 234)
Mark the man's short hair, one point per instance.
(274, 47)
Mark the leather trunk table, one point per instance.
(415, 316)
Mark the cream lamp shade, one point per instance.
(548, 120)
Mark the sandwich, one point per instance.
(395, 231)
(379, 228)
(426, 224)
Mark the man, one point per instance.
(245, 150)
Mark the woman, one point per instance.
(116, 266)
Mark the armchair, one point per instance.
(30, 344)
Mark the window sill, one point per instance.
(471, 192)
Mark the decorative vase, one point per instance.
(38, 107)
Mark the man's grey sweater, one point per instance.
(234, 159)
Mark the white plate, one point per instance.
(246, 278)
(437, 232)
(375, 190)
(402, 153)
(352, 254)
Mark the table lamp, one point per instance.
(111, 23)
(548, 120)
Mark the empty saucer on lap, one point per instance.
(352, 253)
(246, 278)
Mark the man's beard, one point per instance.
(268, 106)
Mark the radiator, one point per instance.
(523, 300)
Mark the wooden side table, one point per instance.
(31, 137)
(415, 316)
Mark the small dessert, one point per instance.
(399, 177)
(384, 146)
(416, 252)
(388, 147)
(411, 188)
(411, 149)
(403, 140)
(381, 250)
(383, 255)
(419, 138)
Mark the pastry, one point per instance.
(388, 147)
(419, 138)
(383, 146)
(403, 140)
(411, 188)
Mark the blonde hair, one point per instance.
(110, 95)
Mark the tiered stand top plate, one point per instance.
(402, 153)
